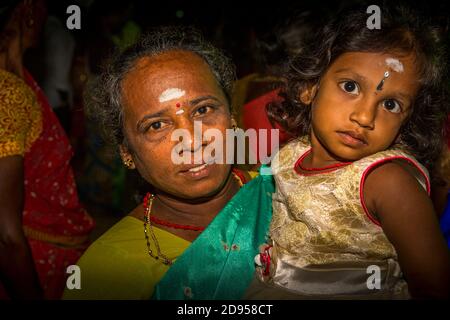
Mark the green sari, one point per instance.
(219, 264)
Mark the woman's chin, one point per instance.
(201, 189)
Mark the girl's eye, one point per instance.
(350, 87)
(392, 106)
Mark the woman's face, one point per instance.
(169, 92)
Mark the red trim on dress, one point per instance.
(371, 167)
(316, 170)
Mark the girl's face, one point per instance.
(164, 93)
(351, 119)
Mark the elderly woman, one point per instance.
(166, 82)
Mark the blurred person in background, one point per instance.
(43, 227)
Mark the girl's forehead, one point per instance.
(374, 61)
(398, 71)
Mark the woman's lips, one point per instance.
(197, 172)
(352, 139)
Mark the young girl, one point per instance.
(352, 217)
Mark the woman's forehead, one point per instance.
(173, 65)
(181, 70)
(171, 59)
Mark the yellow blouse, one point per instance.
(117, 265)
(20, 115)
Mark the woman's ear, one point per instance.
(308, 94)
(127, 159)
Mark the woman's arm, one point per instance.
(406, 215)
(17, 271)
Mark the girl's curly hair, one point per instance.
(402, 31)
(104, 95)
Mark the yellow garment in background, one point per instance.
(117, 265)
(20, 115)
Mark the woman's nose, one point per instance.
(193, 141)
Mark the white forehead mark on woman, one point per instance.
(170, 94)
(394, 64)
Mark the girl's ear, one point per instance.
(308, 94)
(127, 159)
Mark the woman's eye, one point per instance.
(202, 110)
(350, 87)
(157, 125)
(392, 106)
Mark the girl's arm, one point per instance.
(406, 215)
(17, 272)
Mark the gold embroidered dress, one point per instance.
(324, 238)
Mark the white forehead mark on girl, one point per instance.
(394, 64)
(170, 94)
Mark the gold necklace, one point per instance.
(148, 203)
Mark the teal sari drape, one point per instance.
(219, 264)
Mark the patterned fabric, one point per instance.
(320, 223)
(20, 116)
(118, 266)
(219, 263)
(53, 218)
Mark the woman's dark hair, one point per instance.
(104, 95)
(402, 32)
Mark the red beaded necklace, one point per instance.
(149, 217)
(164, 222)
(149, 220)
(299, 164)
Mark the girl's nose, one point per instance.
(364, 115)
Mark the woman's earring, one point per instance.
(128, 163)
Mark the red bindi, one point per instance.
(178, 105)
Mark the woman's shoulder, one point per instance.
(123, 231)
(112, 253)
(115, 265)
(117, 242)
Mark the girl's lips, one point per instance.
(352, 139)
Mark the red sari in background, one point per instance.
(55, 223)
